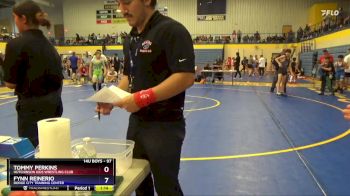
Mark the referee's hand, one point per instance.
(104, 108)
(346, 112)
(128, 103)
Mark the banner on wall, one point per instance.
(211, 17)
(118, 17)
(103, 12)
(106, 2)
(109, 17)
(110, 7)
(104, 16)
(104, 21)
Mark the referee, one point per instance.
(159, 63)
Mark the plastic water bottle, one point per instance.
(80, 152)
(89, 148)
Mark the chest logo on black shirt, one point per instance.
(146, 47)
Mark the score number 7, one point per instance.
(106, 170)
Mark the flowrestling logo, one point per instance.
(330, 12)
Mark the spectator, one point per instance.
(290, 36)
(199, 75)
(207, 67)
(257, 37)
(327, 73)
(33, 69)
(77, 38)
(347, 69)
(236, 65)
(322, 60)
(116, 63)
(294, 69)
(300, 34)
(346, 112)
(244, 64)
(74, 65)
(255, 65)
(239, 36)
(87, 59)
(234, 35)
(339, 67)
(250, 65)
(347, 58)
(66, 66)
(83, 73)
(314, 64)
(1, 70)
(262, 62)
(228, 63)
(307, 29)
(245, 38)
(112, 75)
(340, 18)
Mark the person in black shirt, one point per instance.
(236, 65)
(116, 63)
(244, 64)
(159, 60)
(294, 70)
(276, 67)
(328, 71)
(33, 68)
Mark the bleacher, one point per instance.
(306, 57)
(204, 56)
(112, 52)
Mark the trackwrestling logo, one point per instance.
(330, 12)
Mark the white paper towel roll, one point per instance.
(54, 138)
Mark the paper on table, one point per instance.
(4, 138)
(108, 95)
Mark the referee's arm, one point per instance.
(180, 56)
(173, 85)
(124, 83)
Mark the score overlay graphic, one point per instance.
(62, 174)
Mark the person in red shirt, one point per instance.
(83, 74)
(346, 112)
(326, 54)
(228, 63)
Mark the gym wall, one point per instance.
(266, 16)
(339, 38)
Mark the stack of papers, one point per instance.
(110, 94)
(4, 138)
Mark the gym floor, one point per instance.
(241, 139)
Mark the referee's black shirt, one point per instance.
(163, 48)
(33, 64)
